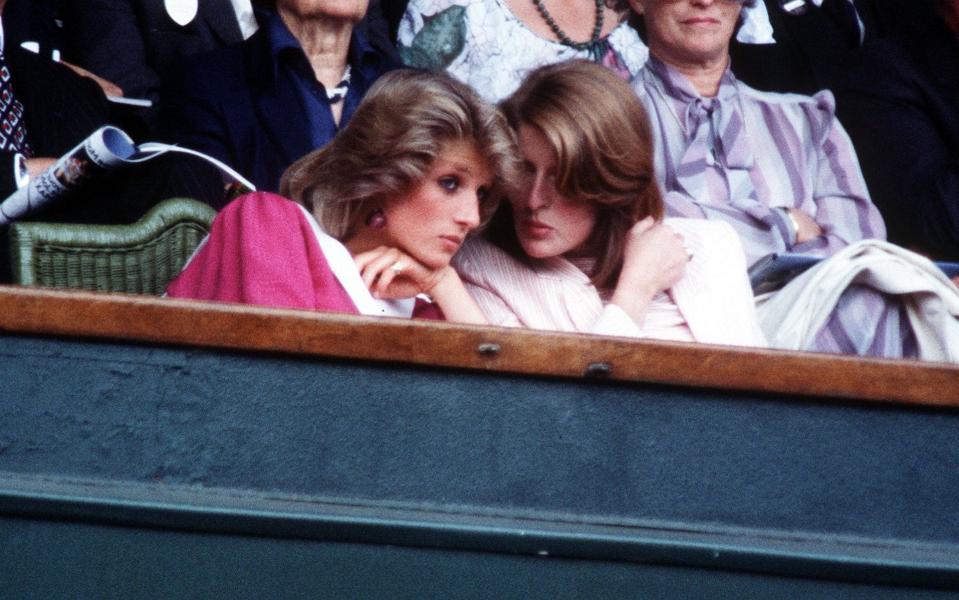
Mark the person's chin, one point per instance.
(537, 250)
(436, 262)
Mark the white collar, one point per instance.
(818, 3)
(345, 271)
(756, 28)
(794, 4)
(245, 17)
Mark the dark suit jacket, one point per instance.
(60, 110)
(232, 105)
(380, 25)
(133, 43)
(392, 13)
(811, 49)
(900, 104)
(34, 21)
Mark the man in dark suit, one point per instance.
(814, 39)
(136, 43)
(58, 109)
(894, 74)
(899, 102)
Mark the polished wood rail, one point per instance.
(245, 328)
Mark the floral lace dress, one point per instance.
(482, 43)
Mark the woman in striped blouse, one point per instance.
(780, 170)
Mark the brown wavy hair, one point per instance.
(604, 152)
(403, 123)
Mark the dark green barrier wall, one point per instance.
(467, 444)
(42, 564)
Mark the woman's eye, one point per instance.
(529, 167)
(482, 194)
(449, 184)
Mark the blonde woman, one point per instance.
(375, 216)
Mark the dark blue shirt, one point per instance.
(257, 105)
(292, 68)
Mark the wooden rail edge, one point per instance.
(246, 328)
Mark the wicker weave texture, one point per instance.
(139, 259)
(143, 269)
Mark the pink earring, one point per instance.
(376, 219)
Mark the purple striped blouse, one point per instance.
(766, 152)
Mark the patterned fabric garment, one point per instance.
(482, 43)
(13, 130)
(781, 151)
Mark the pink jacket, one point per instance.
(263, 249)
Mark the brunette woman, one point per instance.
(582, 245)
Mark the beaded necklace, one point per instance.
(594, 46)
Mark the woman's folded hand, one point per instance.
(806, 227)
(390, 273)
(654, 260)
(655, 257)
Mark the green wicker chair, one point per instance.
(139, 259)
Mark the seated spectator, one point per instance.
(133, 43)
(878, 57)
(37, 25)
(377, 214)
(47, 109)
(493, 44)
(812, 42)
(781, 170)
(136, 43)
(582, 245)
(260, 105)
(900, 103)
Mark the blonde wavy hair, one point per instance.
(604, 150)
(403, 123)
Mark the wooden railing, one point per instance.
(443, 345)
